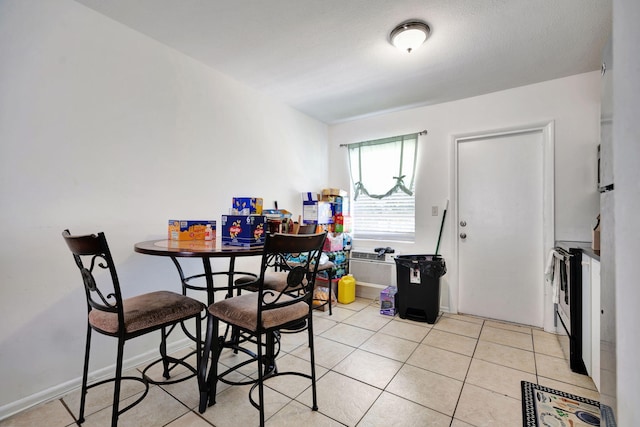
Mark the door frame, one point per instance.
(548, 191)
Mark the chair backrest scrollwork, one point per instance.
(92, 255)
(301, 272)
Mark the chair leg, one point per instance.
(199, 356)
(260, 380)
(330, 292)
(163, 354)
(85, 372)
(270, 359)
(202, 369)
(314, 407)
(118, 380)
(211, 353)
(215, 357)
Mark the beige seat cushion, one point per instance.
(322, 267)
(276, 280)
(326, 266)
(146, 311)
(242, 311)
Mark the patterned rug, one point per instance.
(546, 407)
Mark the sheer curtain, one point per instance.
(383, 174)
(382, 167)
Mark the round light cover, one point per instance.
(410, 35)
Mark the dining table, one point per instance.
(206, 250)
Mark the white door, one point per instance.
(500, 227)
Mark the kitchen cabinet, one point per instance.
(590, 289)
(587, 315)
(595, 321)
(591, 316)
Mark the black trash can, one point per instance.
(419, 286)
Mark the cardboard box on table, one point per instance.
(247, 205)
(189, 229)
(243, 230)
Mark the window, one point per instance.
(382, 174)
(391, 218)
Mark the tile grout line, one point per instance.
(484, 326)
(464, 382)
(69, 411)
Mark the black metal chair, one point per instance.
(327, 269)
(124, 319)
(261, 315)
(277, 279)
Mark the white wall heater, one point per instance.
(373, 273)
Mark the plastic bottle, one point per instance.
(208, 233)
(347, 289)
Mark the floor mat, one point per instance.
(546, 407)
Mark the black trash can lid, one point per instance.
(429, 265)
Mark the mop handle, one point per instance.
(444, 215)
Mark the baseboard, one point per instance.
(60, 390)
(369, 290)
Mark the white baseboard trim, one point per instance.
(60, 390)
(369, 290)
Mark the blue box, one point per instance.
(243, 230)
(317, 212)
(309, 197)
(247, 205)
(388, 301)
(341, 206)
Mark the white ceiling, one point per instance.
(332, 60)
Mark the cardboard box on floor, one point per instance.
(321, 293)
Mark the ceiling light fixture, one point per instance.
(409, 35)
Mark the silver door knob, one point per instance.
(463, 235)
(463, 223)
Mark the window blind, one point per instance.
(391, 218)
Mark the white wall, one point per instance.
(626, 154)
(573, 103)
(104, 129)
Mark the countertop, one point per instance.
(585, 247)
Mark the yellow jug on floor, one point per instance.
(347, 289)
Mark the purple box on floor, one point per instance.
(388, 301)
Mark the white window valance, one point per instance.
(382, 167)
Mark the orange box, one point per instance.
(333, 192)
(321, 293)
(190, 229)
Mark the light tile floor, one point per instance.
(372, 370)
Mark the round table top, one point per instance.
(194, 248)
